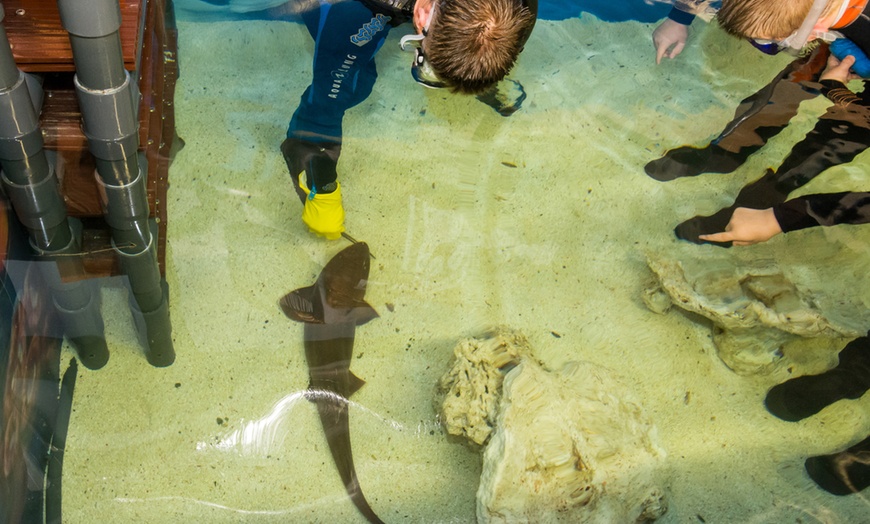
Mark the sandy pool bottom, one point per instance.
(540, 221)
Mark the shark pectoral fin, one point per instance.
(354, 383)
(363, 312)
(299, 306)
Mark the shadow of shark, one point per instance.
(331, 310)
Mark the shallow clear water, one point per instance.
(541, 221)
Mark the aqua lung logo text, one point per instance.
(369, 30)
(338, 75)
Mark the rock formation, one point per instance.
(571, 445)
(754, 310)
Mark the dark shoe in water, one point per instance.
(842, 473)
(694, 227)
(293, 152)
(761, 194)
(692, 161)
(802, 397)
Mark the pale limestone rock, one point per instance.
(469, 391)
(754, 310)
(569, 446)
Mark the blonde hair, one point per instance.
(474, 43)
(766, 18)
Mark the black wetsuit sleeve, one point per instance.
(681, 17)
(827, 209)
(838, 93)
(834, 208)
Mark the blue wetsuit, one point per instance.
(347, 35)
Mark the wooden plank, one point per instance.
(40, 43)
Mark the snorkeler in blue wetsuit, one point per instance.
(464, 45)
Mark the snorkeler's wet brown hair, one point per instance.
(775, 19)
(472, 44)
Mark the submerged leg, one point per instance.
(344, 75)
(757, 119)
(838, 137)
(842, 473)
(801, 397)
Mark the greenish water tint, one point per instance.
(541, 221)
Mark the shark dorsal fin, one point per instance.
(354, 383)
(363, 312)
(298, 305)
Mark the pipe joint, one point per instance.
(90, 18)
(113, 150)
(17, 116)
(110, 114)
(144, 273)
(72, 247)
(125, 206)
(39, 206)
(21, 147)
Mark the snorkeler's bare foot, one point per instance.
(842, 473)
(802, 397)
(692, 161)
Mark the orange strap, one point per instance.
(856, 7)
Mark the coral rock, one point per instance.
(755, 311)
(566, 446)
(470, 390)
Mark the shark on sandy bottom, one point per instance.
(331, 309)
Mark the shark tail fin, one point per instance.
(298, 305)
(355, 383)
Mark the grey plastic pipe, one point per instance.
(31, 185)
(108, 101)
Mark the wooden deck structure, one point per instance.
(149, 43)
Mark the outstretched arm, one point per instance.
(747, 227)
(669, 39)
(751, 226)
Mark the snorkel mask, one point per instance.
(421, 70)
(798, 40)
